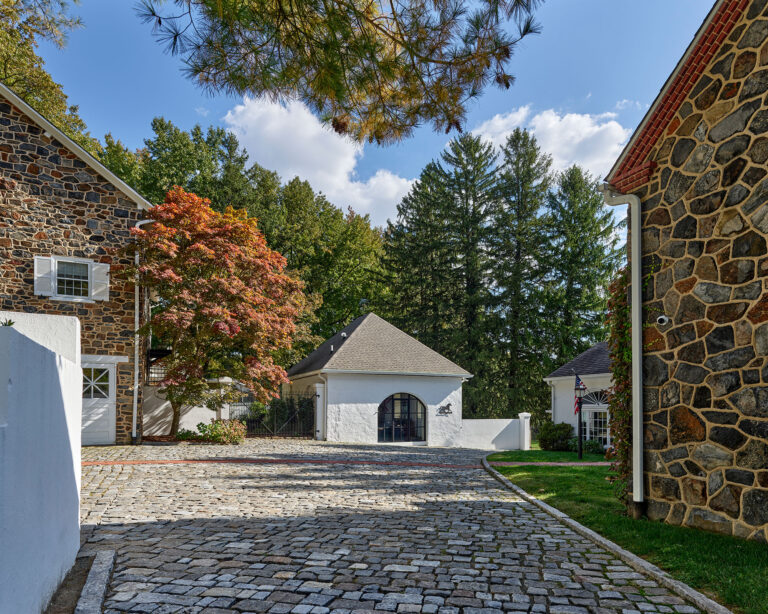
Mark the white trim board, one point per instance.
(98, 359)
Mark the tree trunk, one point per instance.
(176, 419)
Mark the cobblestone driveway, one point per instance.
(352, 536)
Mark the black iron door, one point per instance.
(402, 418)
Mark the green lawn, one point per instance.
(730, 570)
(535, 455)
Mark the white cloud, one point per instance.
(591, 141)
(202, 111)
(293, 142)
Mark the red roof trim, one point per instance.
(680, 84)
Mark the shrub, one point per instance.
(223, 431)
(218, 431)
(554, 437)
(589, 446)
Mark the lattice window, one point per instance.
(95, 383)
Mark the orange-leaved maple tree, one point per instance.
(221, 302)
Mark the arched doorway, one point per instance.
(402, 418)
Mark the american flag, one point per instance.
(579, 384)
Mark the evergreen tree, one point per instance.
(518, 244)
(438, 262)
(468, 173)
(583, 258)
(418, 295)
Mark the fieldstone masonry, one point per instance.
(705, 265)
(53, 203)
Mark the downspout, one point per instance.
(136, 320)
(324, 429)
(613, 199)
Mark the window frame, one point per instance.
(55, 260)
(591, 412)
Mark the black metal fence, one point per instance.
(289, 416)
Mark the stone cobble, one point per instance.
(339, 538)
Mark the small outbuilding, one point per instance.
(594, 369)
(376, 384)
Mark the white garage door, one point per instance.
(98, 404)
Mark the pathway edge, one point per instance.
(662, 577)
(95, 588)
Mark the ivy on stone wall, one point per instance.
(620, 404)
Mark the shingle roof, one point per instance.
(373, 345)
(595, 360)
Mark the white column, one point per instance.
(320, 411)
(525, 431)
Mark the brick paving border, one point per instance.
(634, 561)
(275, 461)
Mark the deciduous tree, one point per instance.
(222, 301)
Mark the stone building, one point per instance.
(697, 163)
(61, 215)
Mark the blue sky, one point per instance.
(582, 86)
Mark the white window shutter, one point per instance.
(100, 290)
(43, 276)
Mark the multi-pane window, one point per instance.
(402, 418)
(72, 279)
(95, 383)
(598, 427)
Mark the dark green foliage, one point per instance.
(555, 436)
(481, 259)
(582, 259)
(439, 265)
(520, 248)
(588, 446)
(336, 254)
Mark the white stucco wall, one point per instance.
(562, 396)
(40, 415)
(157, 414)
(60, 334)
(353, 403)
(502, 434)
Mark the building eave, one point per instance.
(364, 372)
(76, 149)
(632, 169)
(583, 376)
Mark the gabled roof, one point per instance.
(76, 149)
(370, 344)
(595, 361)
(632, 170)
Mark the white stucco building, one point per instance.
(376, 384)
(594, 369)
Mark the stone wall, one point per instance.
(52, 203)
(705, 261)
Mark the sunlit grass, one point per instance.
(730, 570)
